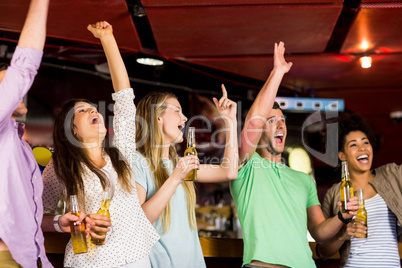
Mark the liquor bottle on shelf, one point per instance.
(78, 235)
(192, 175)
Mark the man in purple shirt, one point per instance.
(21, 209)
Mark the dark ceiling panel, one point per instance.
(318, 71)
(167, 3)
(393, 2)
(241, 30)
(379, 25)
(13, 21)
(68, 20)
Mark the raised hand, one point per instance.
(279, 58)
(184, 166)
(100, 29)
(225, 106)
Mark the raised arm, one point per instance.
(33, 33)
(261, 107)
(124, 108)
(104, 31)
(227, 170)
(25, 62)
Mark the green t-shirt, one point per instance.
(272, 201)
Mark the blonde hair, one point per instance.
(149, 139)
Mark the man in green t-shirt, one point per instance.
(276, 205)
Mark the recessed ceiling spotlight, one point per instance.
(150, 61)
(365, 62)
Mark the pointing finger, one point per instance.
(224, 92)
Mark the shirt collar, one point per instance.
(20, 127)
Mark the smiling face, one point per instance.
(172, 122)
(357, 151)
(275, 132)
(88, 123)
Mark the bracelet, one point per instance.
(342, 219)
(56, 224)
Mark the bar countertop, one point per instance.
(211, 247)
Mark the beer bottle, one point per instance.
(192, 175)
(361, 217)
(104, 210)
(78, 236)
(346, 187)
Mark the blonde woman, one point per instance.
(168, 201)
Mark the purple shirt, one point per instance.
(21, 184)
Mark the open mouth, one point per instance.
(94, 120)
(278, 138)
(181, 127)
(364, 159)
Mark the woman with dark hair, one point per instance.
(85, 164)
(383, 198)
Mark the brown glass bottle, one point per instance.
(78, 236)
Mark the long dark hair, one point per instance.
(70, 159)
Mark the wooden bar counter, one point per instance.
(218, 252)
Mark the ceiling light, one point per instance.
(364, 45)
(365, 61)
(149, 61)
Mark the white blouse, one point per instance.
(132, 235)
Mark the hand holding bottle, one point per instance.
(66, 219)
(354, 229)
(353, 206)
(191, 150)
(346, 189)
(101, 225)
(184, 166)
(78, 229)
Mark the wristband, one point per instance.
(345, 221)
(56, 224)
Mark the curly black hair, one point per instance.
(354, 122)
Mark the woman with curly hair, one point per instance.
(383, 199)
